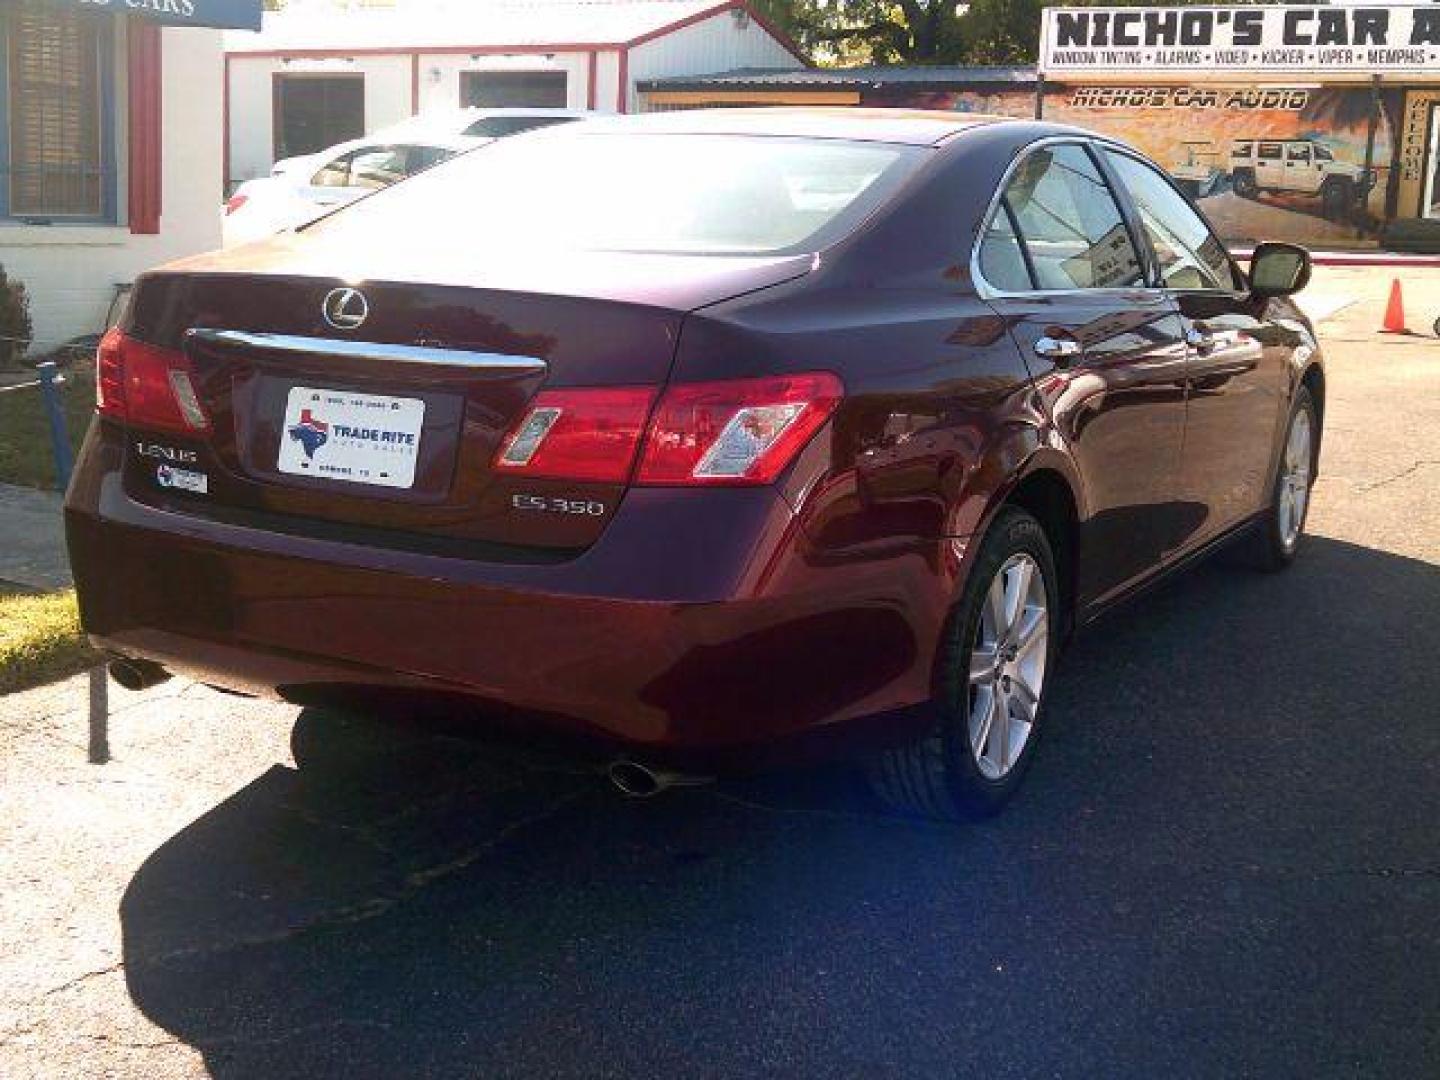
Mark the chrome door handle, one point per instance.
(1200, 339)
(1058, 351)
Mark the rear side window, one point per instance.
(1070, 231)
(497, 127)
(1002, 263)
(1190, 255)
(1242, 150)
(1298, 153)
(1269, 151)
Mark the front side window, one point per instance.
(1299, 153)
(1269, 151)
(566, 189)
(56, 93)
(1069, 224)
(1190, 255)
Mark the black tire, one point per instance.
(1336, 199)
(938, 776)
(1268, 548)
(1244, 184)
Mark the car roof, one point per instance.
(915, 127)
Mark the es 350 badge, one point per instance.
(168, 476)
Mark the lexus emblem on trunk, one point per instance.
(345, 309)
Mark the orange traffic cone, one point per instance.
(1394, 312)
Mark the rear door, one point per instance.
(1301, 169)
(1235, 376)
(1270, 165)
(1059, 262)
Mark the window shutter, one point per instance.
(56, 162)
(143, 39)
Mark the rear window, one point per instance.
(671, 193)
(497, 127)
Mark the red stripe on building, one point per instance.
(144, 78)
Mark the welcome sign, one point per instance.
(1261, 39)
(222, 14)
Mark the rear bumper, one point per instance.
(699, 622)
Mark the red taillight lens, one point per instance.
(740, 431)
(579, 434)
(235, 202)
(110, 376)
(146, 386)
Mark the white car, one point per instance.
(300, 189)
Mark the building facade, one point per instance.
(110, 148)
(1317, 124)
(313, 77)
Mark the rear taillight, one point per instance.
(235, 202)
(579, 434)
(146, 386)
(739, 431)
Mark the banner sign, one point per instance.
(222, 14)
(1268, 39)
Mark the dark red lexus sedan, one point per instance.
(701, 437)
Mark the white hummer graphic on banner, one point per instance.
(1299, 167)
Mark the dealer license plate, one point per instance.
(357, 438)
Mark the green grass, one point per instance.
(25, 456)
(40, 639)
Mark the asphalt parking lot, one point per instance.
(1226, 861)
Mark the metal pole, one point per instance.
(50, 381)
(1368, 176)
(1039, 96)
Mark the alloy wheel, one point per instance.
(1007, 665)
(1294, 493)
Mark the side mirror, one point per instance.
(1278, 269)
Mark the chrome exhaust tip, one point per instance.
(136, 675)
(639, 781)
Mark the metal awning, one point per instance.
(222, 14)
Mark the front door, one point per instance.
(1107, 353)
(1236, 371)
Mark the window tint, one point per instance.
(496, 127)
(1322, 153)
(422, 157)
(1069, 223)
(1298, 152)
(1190, 255)
(334, 173)
(1270, 151)
(378, 168)
(1002, 264)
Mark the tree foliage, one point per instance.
(850, 32)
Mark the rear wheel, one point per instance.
(1244, 184)
(995, 663)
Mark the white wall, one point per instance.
(71, 271)
(252, 102)
(719, 43)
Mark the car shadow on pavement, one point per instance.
(1234, 807)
